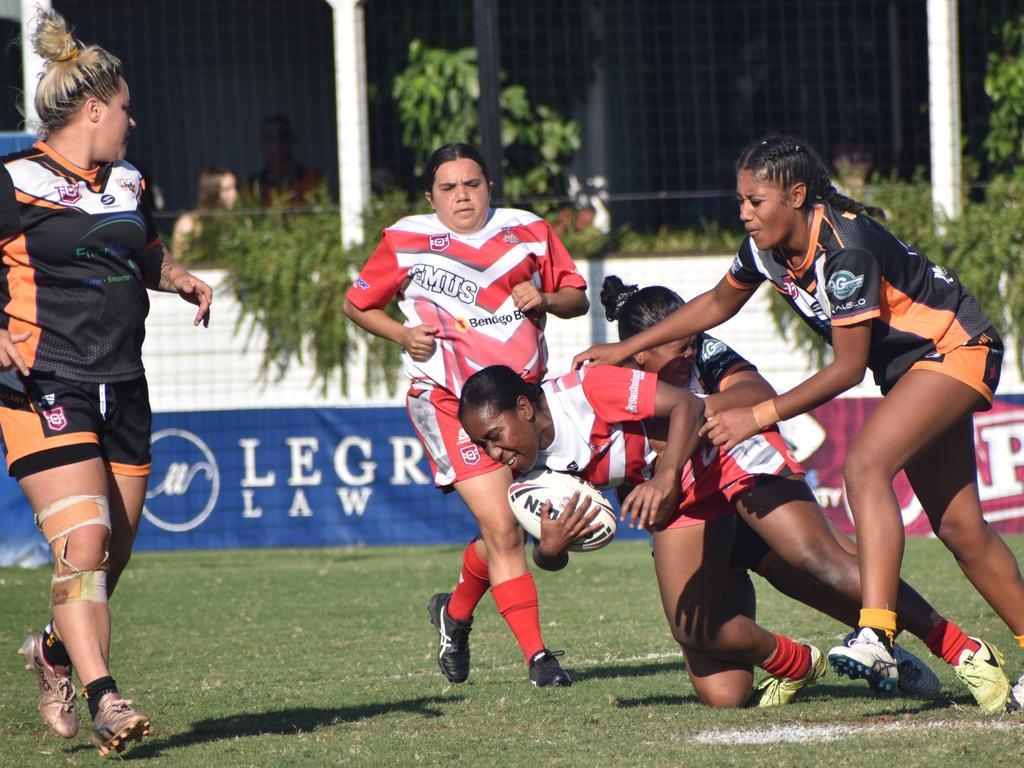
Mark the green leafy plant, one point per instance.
(290, 274)
(1004, 84)
(437, 97)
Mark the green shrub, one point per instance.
(437, 97)
(289, 272)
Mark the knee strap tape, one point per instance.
(58, 521)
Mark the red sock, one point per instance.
(474, 581)
(517, 602)
(947, 641)
(790, 659)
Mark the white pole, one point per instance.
(31, 64)
(944, 107)
(352, 117)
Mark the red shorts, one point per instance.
(434, 413)
(712, 478)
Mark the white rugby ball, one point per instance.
(527, 495)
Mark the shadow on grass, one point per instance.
(281, 722)
(629, 670)
(887, 704)
(656, 701)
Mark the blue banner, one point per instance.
(297, 477)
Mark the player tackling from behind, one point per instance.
(475, 284)
(79, 251)
(936, 357)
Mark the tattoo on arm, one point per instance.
(166, 284)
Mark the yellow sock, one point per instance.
(879, 618)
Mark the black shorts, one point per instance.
(48, 422)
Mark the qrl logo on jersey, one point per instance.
(470, 454)
(127, 184)
(56, 418)
(69, 193)
(440, 242)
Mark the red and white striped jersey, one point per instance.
(462, 285)
(597, 413)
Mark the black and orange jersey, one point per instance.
(74, 243)
(856, 270)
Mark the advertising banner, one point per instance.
(307, 477)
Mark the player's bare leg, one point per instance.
(78, 527)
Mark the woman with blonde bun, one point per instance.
(79, 251)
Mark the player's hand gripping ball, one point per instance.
(527, 495)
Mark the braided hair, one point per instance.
(785, 160)
(636, 309)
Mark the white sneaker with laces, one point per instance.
(865, 656)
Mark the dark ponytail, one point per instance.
(636, 309)
(785, 160)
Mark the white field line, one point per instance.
(800, 734)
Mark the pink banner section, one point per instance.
(821, 439)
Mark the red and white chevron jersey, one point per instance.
(856, 270)
(462, 285)
(73, 243)
(597, 413)
(711, 469)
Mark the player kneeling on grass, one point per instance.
(780, 509)
(580, 423)
(936, 357)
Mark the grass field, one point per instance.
(326, 657)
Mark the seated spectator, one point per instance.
(282, 174)
(217, 190)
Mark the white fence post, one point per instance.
(352, 117)
(944, 107)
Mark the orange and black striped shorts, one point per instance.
(47, 422)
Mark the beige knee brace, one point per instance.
(57, 522)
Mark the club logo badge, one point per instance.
(56, 418)
(440, 243)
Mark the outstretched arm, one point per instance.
(851, 344)
(705, 311)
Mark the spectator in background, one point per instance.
(217, 190)
(282, 174)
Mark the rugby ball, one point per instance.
(528, 493)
